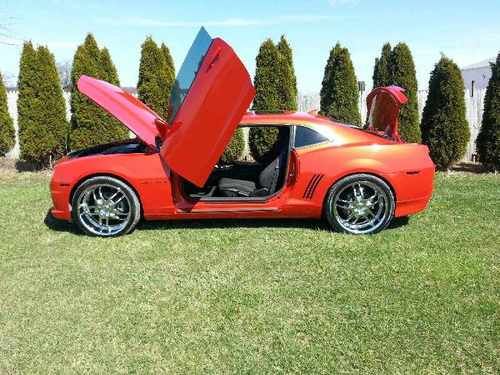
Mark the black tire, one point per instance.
(123, 215)
(345, 203)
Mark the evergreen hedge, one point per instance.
(41, 108)
(444, 126)
(91, 125)
(154, 83)
(339, 90)
(488, 140)
(7, 133)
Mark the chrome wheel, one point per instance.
(104, 209)
(361, 206)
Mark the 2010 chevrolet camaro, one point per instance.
(358, 180)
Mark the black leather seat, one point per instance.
(266, 185)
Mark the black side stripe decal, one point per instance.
(312, 185)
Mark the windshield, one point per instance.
(187, 72)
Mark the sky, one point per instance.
(466, 31)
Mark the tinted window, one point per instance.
(307, 136)
(187, 72)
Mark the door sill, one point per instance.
(226, 210)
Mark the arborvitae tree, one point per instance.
(7, 134)
(488, 140)
(382, 71)
(91, 125)
(170, 68)
(403, 74)
(235, 148)
(29, 104)
(114, 129)
(267, 98)
(287, 84)
(109, 73)
(41, 108)
(444, 127)
(154, 83)
(339, 91)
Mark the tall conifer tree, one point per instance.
(382, 70)
(114, 129)
(444, 126)
(339, 91)
(41, 108)
(7, 133)
(488, 140)
(170, 68)
(403, 74)
(287, 81)
(154, 82)
(267, 98)
(91, 125)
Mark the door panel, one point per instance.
(217, 100)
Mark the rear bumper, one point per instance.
(411, 207)
(413, 190)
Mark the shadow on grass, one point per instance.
(233, 223)
(310, 224)
(469, 167)
(59, 225)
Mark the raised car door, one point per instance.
(210, 96)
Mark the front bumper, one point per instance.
(60, 193)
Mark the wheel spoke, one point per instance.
(99, 192)
(343, 204)
(114, 203)
(114, 195)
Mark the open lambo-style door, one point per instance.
(211, 93)
(384, 104)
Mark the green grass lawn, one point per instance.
(253, 296)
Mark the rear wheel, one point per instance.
(105, 206)
(360, 204)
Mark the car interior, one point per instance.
(247, 178)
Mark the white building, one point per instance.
(476, 76)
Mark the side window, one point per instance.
(306, 136)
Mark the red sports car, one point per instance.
(357, 179)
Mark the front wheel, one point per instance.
(360, 204)
(105, 206)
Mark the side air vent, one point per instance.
(312, 185)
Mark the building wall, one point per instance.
(476, 78)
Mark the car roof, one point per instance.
(343, 133)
